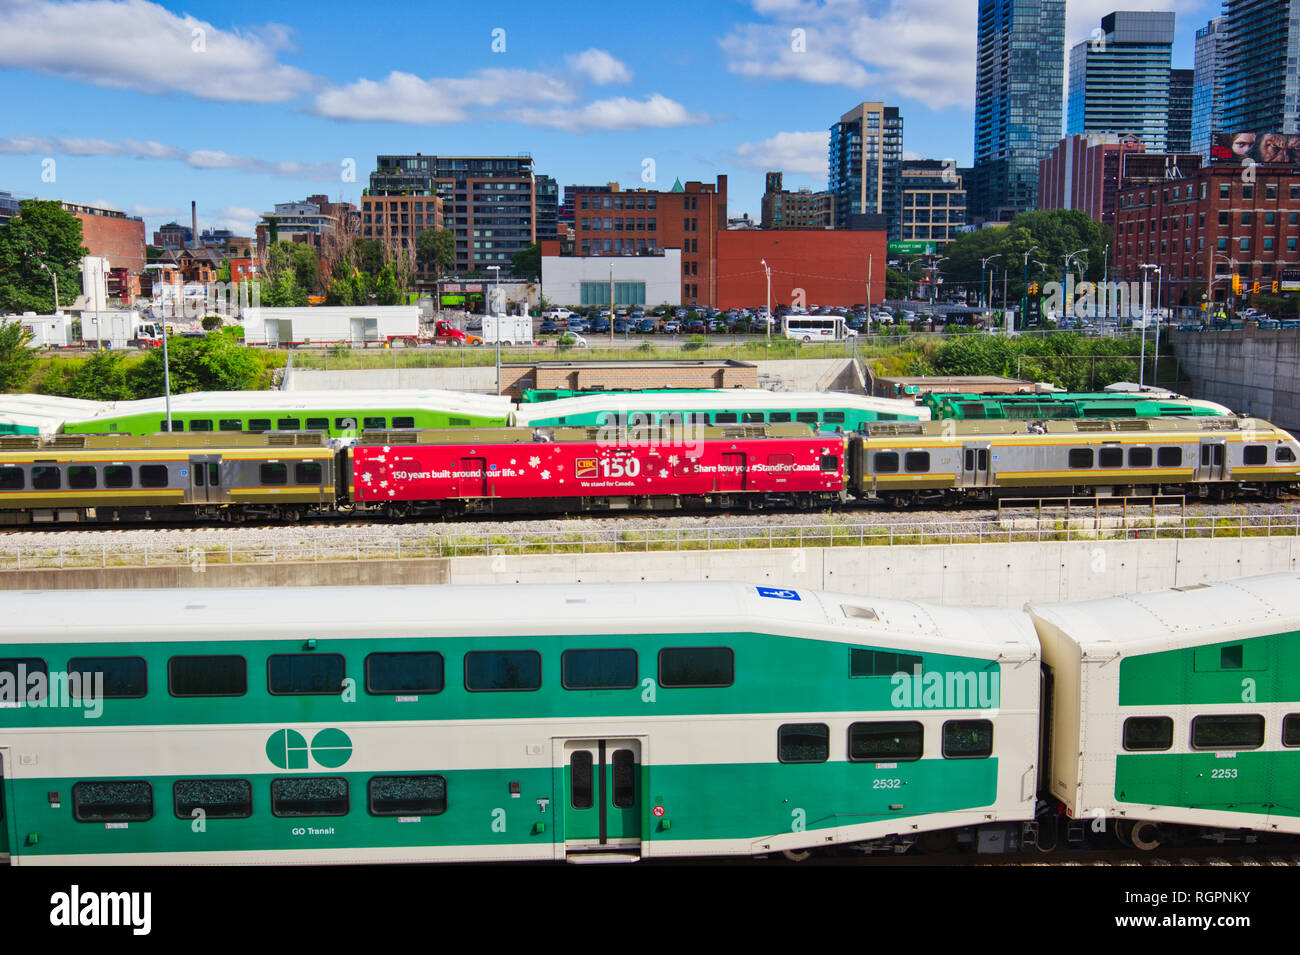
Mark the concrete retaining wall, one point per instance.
(1004, 575)
(1251, 371)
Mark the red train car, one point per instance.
(593, 475)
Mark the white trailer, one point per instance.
(119, 328)
(47, 331)
(359, 326)
(507, 329)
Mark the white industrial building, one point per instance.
(647, 280)
(328, 325)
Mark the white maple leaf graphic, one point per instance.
(663, 472)
(546, 475)
(391, 493)
(383, 484)
(386, 449)
(365, 477)
(534, 461)
(672, 459)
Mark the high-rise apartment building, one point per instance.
(1018, 83)
(800, 209)
(866, 164)
(1119, 78)
(488, 202)
(934, 202)
(1207, 85)
(1181, 93)
(548, 207)
(1261, 66)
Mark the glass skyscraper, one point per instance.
(866, 165)
(1207, 85)
(1018, 79)
(1261, 66)
(1119, 78)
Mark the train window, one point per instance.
(1211, 451)
(200, 475)
(1231, 657)
(1228, 732)
(807, 417)
(218, 798)
(225, 675)
(307, 472)
(288, 424)
(916, 462)
(1148, 733)
(1291, 729)
(881, 662)
(1284, 454)
(46, 478)
(176, 425)
(779, 417)
(1081, 457)
(830, 462)
(345, 424)
(274, 473)
(123, 678)
(752, 417)
(259, 425)
(318, 424)
(886, 742)
(697, 666)
(1110, 457)
(623, 775)
(833, 417)
(580, 779)
(117, 801)
(153, 475)
(305, 674)
(231, 424)
(967, 739)
(82, 477)
(117, 475)
(392, 674)
(11, 479)
(309, 796)
(1169, 457)
(408, 795)
(598, 669)
(803, 743)
(18, 670)
(725, 417)
(404, 422)
(885, 462)
(376, 423)
(489, 670)
(1254, 454)
(670, 420)
(199, 424)
(1139, 457)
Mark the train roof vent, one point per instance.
(388, 437)
(280, 440)
(895, 427)
(310, 439)
(1132, 424)
(19, 442)
(1218, 424)
(1091, 424)
(68, 441)
(855, 612)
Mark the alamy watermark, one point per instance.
(39, 689)
(945, 689)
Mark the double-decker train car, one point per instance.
(1177, 708)
(587, 723)
(1049, 406)
(908, 462)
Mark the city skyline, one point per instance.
(246, 113)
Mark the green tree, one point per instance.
(368, 255)
(101, 377)
(387, 291)
(528, 262)
(215, 362)
(16, 359)
(435, 249)
(41, 240)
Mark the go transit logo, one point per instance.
(288, 749)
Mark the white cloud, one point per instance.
(134, 44)
(406, 98)
(105, 204)
(195, 159)
(240, 220)
(788, 152)
(655, 111)
(599, 66)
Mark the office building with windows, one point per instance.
(934, 202)
(1207, 85)
(1119, 78)
(1261, 66)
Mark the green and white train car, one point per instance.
(587, 722)
(1179, 707)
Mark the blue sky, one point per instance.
(144, 106)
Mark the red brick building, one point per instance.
(632, 221)
(830, 267)
(111, 234)
(1212, 225)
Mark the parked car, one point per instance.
(672, 327)
(647, 326)
(548, 328)
(577, 325)
(575, 340)
(557, 314)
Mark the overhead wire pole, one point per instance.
(1024, 295)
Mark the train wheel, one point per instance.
(1145, 836)
(291, 515)
(797, 855)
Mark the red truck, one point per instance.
(447, 334)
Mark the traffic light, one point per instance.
(1275, 286)
(1033, 288)
(1255, 289)
(1236, 285)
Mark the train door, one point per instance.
(6, 823)
(1213, 463)
(601, 792)
(977, 464)
(206, 485)
(472, 478)
(731, 474)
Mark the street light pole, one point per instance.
(987, 296)
(767, 319)
(496, 318)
